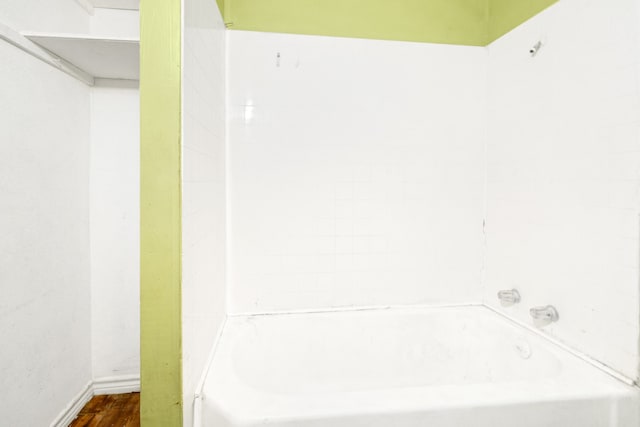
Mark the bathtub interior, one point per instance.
(417, 364)
(403, 348)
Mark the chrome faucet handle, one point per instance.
(547, 313)
(509, 297)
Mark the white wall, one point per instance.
(356, 172)
(564, 173)
(64, 16)
(115, 229)
(44, 224)
(203, 189)
(115, 23)
(115, 213)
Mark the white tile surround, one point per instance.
(352, 180)
(357, 173)
(564, 175)
(203, 190)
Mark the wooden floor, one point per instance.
(116, 410)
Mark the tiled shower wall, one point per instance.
(203, 190)
(356, 172)
(564, 174)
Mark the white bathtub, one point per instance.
(445, 367)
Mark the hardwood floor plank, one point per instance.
(83, 420)
(94, 405)
(118, 410)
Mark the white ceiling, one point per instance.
(117, 4)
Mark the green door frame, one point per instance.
(160, 214)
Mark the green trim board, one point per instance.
(461, 22)
(160, 214)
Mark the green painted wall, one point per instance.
(464, 22)
(505, 15)
(438, 21)
(221, 6)
(160, 214)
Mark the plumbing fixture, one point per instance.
(536, 47)
(546, 314)
(509, 297)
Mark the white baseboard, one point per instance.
(100, 386)
(70, 412)
(116, 385)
